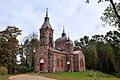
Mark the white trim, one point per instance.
(68, 62)
(41, 61)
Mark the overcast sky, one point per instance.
(79, 18)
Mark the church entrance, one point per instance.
(41, 65)
(68, 66)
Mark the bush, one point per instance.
(3, 70)
(30, 69)
(22, 69)
(25, 69)
(116, 75)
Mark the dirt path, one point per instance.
(28, 77)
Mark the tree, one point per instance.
(113, 38)
(102, 52)
(106, 58)
(89, 50)
(91, 56)
(9, 47)
(111, 15)
(30, 46)
(23, 61)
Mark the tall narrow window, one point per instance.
(57, 62)
(81, 63)
(61, 62)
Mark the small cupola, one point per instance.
(68, 45)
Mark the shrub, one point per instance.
(30, 69)
(116, 75)
(22, 69)
(3, 70)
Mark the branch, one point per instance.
(114, 8)
(116, 13)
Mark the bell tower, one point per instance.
(46, 33)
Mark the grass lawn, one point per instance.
(83, 75)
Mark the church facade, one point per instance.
(59, 55)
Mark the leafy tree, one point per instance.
(102, 52)
(9, 47)
(29, 47)
(111, 15)
(106, 58)
(23, 61)
(113, 38)
(90, 52)
(91, 56)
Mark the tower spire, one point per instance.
(46, 12)
(63, 34)
(46, 17)
(63, 29)
(46, 21)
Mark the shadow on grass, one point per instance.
(116, 75)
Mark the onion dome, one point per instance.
(63, 38)
(62, 41)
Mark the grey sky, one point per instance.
(78, 17)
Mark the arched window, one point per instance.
(81, 63)
(41, 61)
(68, 63)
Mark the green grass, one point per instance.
(83, 75)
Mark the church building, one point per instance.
(59, 55)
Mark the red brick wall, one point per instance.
(61, 57)
(81, 56)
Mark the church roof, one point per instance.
(65, 52)
(46, 23)
(76, 52)
(63, 38)
(56, 50)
